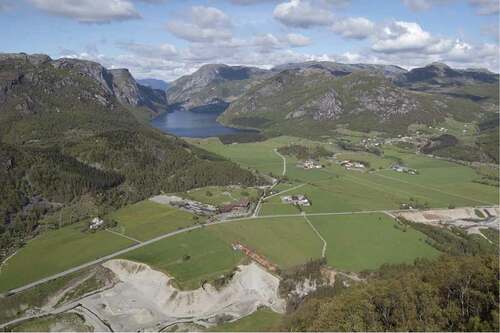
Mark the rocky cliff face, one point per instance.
(328, 95)
(213, 84)
(118, 82)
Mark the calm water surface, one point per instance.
(193, 124)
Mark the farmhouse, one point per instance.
(96, 223)
(311, 164)
(298, 199)
(400, 168)
(352, 165)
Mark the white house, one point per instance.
(96, 223)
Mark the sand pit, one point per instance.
(447, 215)
(145, 299)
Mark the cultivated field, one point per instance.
(355, 242)
(285, 241)
(56, 251)
(190, 258)
(147, 219)
(366, 241)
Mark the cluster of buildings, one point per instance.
(352, 165)
(298, 199)
(311, 164)
(371, 142)
(96, 223)
(400, 168)
(192, 206)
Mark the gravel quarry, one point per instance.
(145, 299)
(465, 218)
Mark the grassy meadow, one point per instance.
(147, 219)
(56, 251)
(189, 258)
(358, 242)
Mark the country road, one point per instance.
(177, 232)
(171, 234)
(325, 243)
(284, 161)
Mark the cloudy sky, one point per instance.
(169, 38)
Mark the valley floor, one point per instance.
(350, 221)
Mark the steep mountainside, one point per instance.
(68, 135)
(118, 82)
(312, 97)
(213, 85)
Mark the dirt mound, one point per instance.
(144, 299)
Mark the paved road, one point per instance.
(110, 256)
(177, 232)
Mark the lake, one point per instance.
(200, 124)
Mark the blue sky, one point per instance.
(168, 38)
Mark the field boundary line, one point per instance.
(124, 236)
(284, 191)
(188, 229)
(435, 189)
(325, 244)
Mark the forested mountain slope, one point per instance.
(68, 133)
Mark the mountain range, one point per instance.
(321, 98)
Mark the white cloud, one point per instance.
(164, 51)
(420, 5)
(249, 2)
(483, 7)
(401, 36)
(209, 17)
(298, 40)
(90, 11)
(486, 7)
(204, 24)
(354, 27)
(194, 33)
(302, 14)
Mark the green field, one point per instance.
(146, 219)
(190, 257)
(285, 241)
(220, 195)
(334, 189)
(262, 320)
(56, 251)
(366, 241)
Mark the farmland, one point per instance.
(147, 219)
(341, 204)
(190, 258)
(285, 241)
(366, 241)
(56, 251)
